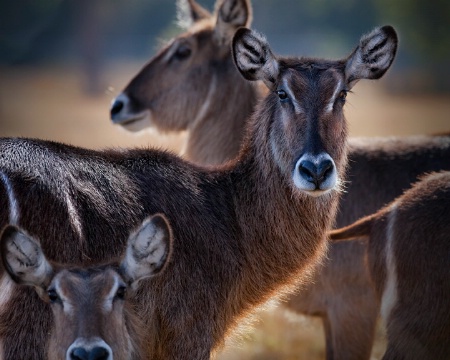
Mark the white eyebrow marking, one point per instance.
(67, 305)
(297, 108)
(330, 105)
(172, 47)
(13, 206)
(107, 304)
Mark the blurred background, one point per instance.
(63, 61)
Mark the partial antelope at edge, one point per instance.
(93, 312)
(408, 256)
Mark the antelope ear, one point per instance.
(253, 57)
(373, 56)
(231, 15)
(23, 258)
(148, 249)
(189, 12)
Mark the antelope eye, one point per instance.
(282, 94)
(121, 292)
(52, 295)
(182, 52)
(343, 95)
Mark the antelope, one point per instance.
(93, 315)
(380, 169)
(196, 68)
(243, 233)
(408, 257)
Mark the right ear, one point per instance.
(189, 12)
(231, 15)
(253, 57)
(148, 250)
(358, 229)
(23, 258)
(373, 56)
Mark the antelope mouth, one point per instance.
(136, 123)
(128, 119)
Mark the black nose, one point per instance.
(315, 174)
(96, 353)
(116, 107)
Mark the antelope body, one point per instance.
(380, 169)
(408, 256)
(93, 317)
(243, 233)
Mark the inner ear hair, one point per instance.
(254, 58)
(231, 15)
(373, 56)
(189, 12)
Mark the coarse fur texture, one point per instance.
(408, 257)
(243, 233)
(94, 316)
(348, 312)
(341, 291)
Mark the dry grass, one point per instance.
(48, 104)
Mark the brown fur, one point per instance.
(243, 233)
(349, 333)
(78, 296)
(193, 93)
(413, 230)
(379, 170)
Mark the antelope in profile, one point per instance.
(192, 84)
(93, 317)
(243, 233)
(380, 169)
(408, 256)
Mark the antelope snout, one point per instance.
(123, 112)
(315, 174)
(119, 109)
(95, 349)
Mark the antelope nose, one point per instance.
(116, 107)
(315, 173)
(96, 353)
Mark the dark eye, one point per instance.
(121, 292)
(182, 52)
(343, 95)
(282, 95)
(52, 295)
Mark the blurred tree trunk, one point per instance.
(90, 23)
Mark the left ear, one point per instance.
(148, 250)
(231, 15)
(24, 260)
(373, 56)
(189, 12)
(253, 57)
